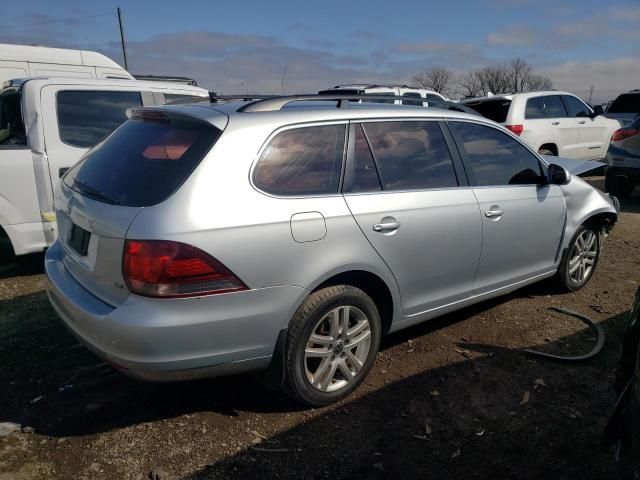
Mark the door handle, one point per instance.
(582, 122)
(493, 213)
(388, 226)
(555, 123)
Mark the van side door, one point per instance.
(409, 195)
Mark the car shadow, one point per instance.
(59, 388)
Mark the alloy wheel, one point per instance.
(583, 256)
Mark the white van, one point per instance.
(46, 125)
(20, 61)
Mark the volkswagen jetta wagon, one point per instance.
(211, 239)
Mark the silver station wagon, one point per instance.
(290, 235)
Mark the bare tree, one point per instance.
(519, 72)
(470, 84)
(537, 82)
(438, 79)
(494, 79)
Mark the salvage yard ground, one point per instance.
(454, 398)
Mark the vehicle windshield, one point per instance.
(626, 103)
(495, 110)
(143, 162)
(12, 131)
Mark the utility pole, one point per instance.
(124, 50)
(590, 94)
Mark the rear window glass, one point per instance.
(302, 161)
(495, 110)
(87, 117)
(626, 103)
(143, 162)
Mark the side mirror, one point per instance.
(598, 110)
(557, 175)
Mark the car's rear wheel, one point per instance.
(331, 345)
(580, 259)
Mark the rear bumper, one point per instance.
(174, 339)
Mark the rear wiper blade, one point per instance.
(92, 192)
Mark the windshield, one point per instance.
(626, 103)
(143, 162)
(12, 131)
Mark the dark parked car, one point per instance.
(623, 430)
(623, 160)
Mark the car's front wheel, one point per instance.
(331, 345)
(580, 259)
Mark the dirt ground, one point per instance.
(454, 398)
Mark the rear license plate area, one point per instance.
(79, 240)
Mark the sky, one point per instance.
(296, 46)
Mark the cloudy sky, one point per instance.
(247, 46)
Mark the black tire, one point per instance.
(563, 277)
(305, 322)
(616, 186)
(546, 151)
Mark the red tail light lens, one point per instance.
(624, 133)
(517, 129)
(158, 268)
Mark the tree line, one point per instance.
(514, 76)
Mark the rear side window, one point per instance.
(379, 94)
(549, 106)
(626, 103)
(143, 162)
(575, 107)
(495, 110)
(411, 155)
(365, 174)
(87, 117)
(302, 161)
(417, 103)
(493, 158)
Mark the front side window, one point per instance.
(493, 158)
(411, 155)
(575, 107)
(302, 161)
(86, 117)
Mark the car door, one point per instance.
(593, 135)
(522, 216)
(409, 196)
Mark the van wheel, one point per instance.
(580, 259)
(331, 345)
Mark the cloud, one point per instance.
(512, 36)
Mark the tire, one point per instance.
(325, 369)
(546, 151)
(582, 250)
(616, 186)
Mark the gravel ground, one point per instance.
(455, 397)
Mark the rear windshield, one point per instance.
(626, 103)
(495, 110)
(143, 162)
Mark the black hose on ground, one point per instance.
(578, 358)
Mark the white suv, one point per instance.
(551, 122)
(412, 93)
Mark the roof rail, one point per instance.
(215, 98)
(275, 103)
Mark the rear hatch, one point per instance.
(625, 108)
(141, 164)
(495, 109)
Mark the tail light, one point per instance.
(517, 129)
(158, 268)
(624, 133)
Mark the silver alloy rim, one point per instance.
(583, 256)
(337, 348)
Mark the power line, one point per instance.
(60, 20)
